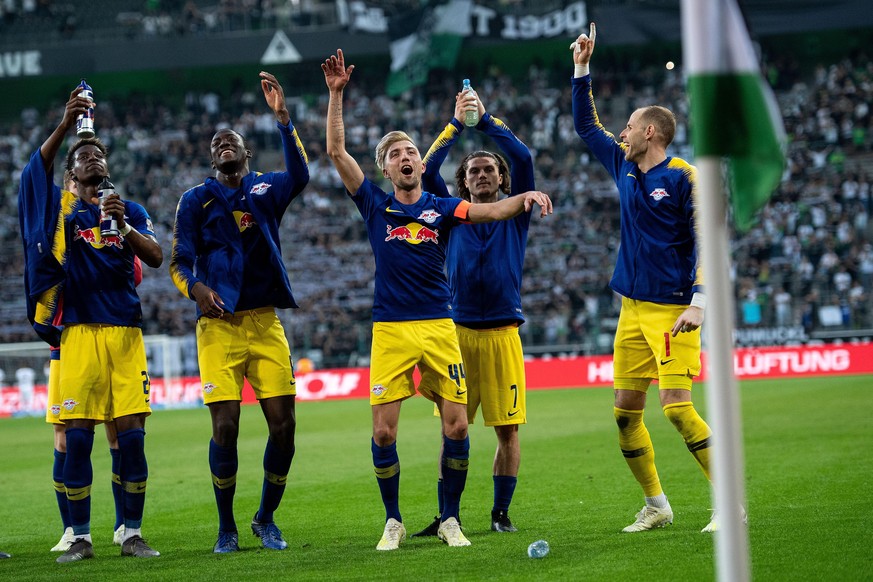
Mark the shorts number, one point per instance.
(146, 382)
(456, 372)
(514, 389)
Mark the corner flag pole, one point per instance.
(722, 395)
(705, 42)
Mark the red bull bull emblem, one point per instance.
(56, 409)
(378, 389)
(413, 233)
(208, 387)
(92, 237)
(244, 220)
(70, 404)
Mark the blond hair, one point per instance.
(385, 144)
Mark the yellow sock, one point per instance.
(693, 429)
(636, 446)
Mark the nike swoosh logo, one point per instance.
(393, 210)
(461, 392)
(209, 202)
(512, 413)
(665, 362)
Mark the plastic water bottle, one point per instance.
(471, 118)
(538, 549)
(108, 223)
(85, 122)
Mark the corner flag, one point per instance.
(733, 110)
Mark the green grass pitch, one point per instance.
(809, 480)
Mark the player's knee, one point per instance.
(282, 432)
(225, 432)
(384, 436)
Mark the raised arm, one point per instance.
(509, 207)
(336, 76)
(431, 180)
(517, 153)
(75, 107)
(296, 161)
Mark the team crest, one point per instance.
(56, 409)
(259, 188)
(659, 194)
(378, 390)
(208, 387)
(69, 404)
(429, 216)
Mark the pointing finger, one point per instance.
(592, 32)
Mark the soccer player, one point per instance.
(52, 416)
(103, 375)
(412, 326)
(484, 265)
(227, 258)
(657, 276)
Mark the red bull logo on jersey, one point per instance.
(658, 194)
(55, 409)
(208, 388)
(92, 237)
(69, 404)
(244, 220)
(260, 188)
(413, 233)
(429, 216)
(378, 389)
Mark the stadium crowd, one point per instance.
(808, 262)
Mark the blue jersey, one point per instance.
(228, 239)
(409, 244)
(65, 255)
(657, 257)
(484, 261)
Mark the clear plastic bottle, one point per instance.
(538, 549)
(85, 122)
(471, 118)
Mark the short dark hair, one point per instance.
(663, 120)
(502, 168)
(71, 155)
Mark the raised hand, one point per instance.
(583, 47)
(336, 75)
(76, 106)
(275, 97)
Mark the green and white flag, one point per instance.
(425, 39)
(733, 110)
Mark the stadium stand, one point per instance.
(807, 264)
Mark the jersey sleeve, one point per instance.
(603, 144)
(693, 222)
(184, 253)
(431, 180)
(296, 175)
(517, 153)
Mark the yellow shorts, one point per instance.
(249, 344)
(646, 349)
(53, 398)
(430, 344)
(103, 372)
(494, 362)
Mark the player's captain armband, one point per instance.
(462, 211)
(699, 300)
